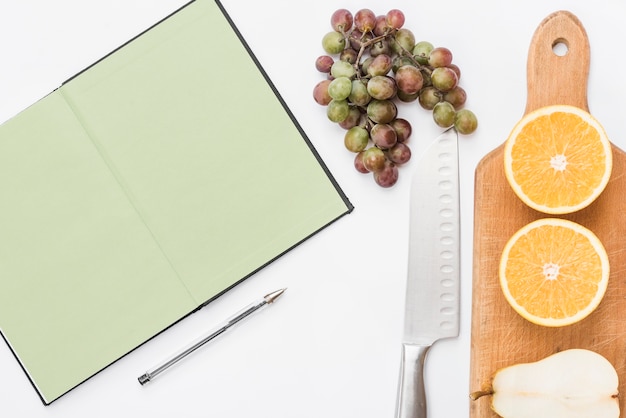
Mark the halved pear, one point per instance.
(575, 383)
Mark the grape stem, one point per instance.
(368, 123)
(364, 45)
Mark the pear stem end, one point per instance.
(480, 393)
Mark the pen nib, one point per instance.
(271, 297)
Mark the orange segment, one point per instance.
(558, 159)
(554, 272)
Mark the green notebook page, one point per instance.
(142, 188)
(82, 280)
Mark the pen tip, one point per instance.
(271, 297)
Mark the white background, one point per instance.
(330, 346)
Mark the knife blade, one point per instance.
(433, 277)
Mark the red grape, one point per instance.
(381, 87)
(400, 153)
(353, 118)
(395, 19)
(358, 163)
(387, 176)
(341, 20)
(381, 25)
(348, 55)
(384, 136)
(403, 129)
(440, 57)
(380, 65)
(320, 93)
(409, 79)
(456, 96)
(365, 20)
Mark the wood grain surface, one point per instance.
(499, 336)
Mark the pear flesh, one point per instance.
(574, 383)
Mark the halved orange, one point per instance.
(558, 159)
(554, 272)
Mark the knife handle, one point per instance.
(411, 401)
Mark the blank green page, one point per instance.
(141, 189)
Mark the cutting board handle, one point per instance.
(558, 63)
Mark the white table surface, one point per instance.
(330, 346)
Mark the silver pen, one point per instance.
(244, 313)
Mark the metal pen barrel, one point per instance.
(243, 313)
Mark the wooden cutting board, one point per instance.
(499, 336)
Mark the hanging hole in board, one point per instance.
(560, 47)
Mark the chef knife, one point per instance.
(432, 289)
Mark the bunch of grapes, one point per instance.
(372, 61)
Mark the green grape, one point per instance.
(333, 43)
(400, 60)
(443, 114)
(429, 97)
(406, 97)
(405, 40)
(444, 79)
(382, 111)
(421, 51)
(380, 47)
(381, 87)
(356, 139)
(365, 65)
(340, 88)
(359, 95)
(338, 110)
(342, 69)
(426, 75)
(374, 159)
(465, 122)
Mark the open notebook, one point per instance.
(141, 189)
